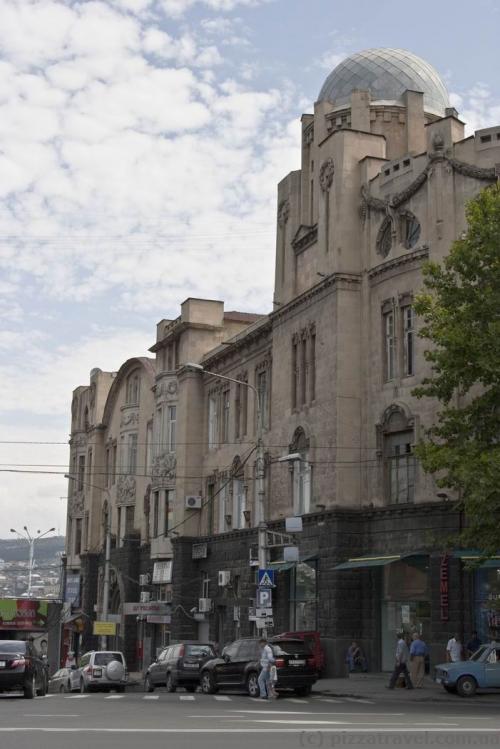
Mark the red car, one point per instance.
(313, 642)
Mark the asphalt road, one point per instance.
(135, 720)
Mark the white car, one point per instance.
(102, 670)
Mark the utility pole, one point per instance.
(107, 566)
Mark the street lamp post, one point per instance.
(26, 536)
(260, 462)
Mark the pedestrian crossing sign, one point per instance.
(266, 578)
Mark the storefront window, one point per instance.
(303, 597)
(488, 603)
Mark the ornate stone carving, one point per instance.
(283, 212)
(125, 490)
(304, 238)
(129, 418)
(163, 468)
(471, 170)
(76, 503)
(326, 174)
(166, 389)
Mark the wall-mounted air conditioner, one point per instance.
(204, 605)
(224, 578)
(193, 502)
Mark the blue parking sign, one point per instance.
(266, 578)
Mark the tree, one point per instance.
(460, 309)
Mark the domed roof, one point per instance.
(387, 74)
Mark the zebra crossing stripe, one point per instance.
(151, 697)
(186, 697)
(222, 698)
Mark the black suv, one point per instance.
(178, 666)
(21, 669)
(239, 667)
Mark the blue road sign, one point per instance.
(266, 578)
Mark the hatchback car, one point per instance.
(178, 666)
(65, 680)
(481, 671)
(21, 669)
(102, 670)
(239, 667)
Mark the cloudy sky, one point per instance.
(140, 145)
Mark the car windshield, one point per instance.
(290, 647)
(199, 651)
(12, 646)
(479, 653)
(102, 659)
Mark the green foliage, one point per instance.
(460, 309)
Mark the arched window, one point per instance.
(301, 473)
(384, 237)
(398, 439)
(133, 386)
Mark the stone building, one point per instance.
(385, 175)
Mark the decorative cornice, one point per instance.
(335, 279)
(304, 238)
(417, 256)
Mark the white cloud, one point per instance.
(477, 108)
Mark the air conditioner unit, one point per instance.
(145, 596)
(204, 605)
(224, 578)
(193, 502)
(144, 579)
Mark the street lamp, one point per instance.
(26, 536)
(262, 529)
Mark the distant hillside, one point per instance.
(15, 550)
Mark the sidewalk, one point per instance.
(373, 685)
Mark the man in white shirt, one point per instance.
(266, 661)
(454, 649)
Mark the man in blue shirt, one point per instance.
(418, 651)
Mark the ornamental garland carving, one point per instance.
(125, 491)
(129, 419)
(283, 212)
(163, 468)
(326, 174)
(76, 504)
(166, 389)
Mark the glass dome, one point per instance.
(387, 74)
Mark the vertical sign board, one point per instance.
(444, 587)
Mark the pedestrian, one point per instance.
(401, 664)
(355, 658)
(266, 661)
(418, 653)
(70, 660)
(454, 649)
(473, 644)
(271, 684)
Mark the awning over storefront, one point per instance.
(375, 561)
(284, 566)
(473, 555)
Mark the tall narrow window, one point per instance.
(389, 345)
(226, 405)
(408, 340)
(115, 451)
(302, 486)
(213, 422)
(222, 497)
(89, 467)
(157, 432)
(156, 512)
(311, 203)
(81, 472)
(170, 358)
(303, 371)
(312, 366)
(169, 509)
(119, 535)
(210, 507)
(149, 448)
(133, 385)
(108, 467)
(171, 426)
(78, 536)
(132, 454)
(239, 503)
(400, 463)
(263, 390)
(129, 521)
(237, 411)
(244, 410)
(86, 533)
(295, 374)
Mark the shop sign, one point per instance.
(152, 608)
(104, 628)
(444, 587)
(26, 614)
(405, 614)
(72, 590)
(199, 551)
(159, 619)
(162, 572)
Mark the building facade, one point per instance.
(385, 176)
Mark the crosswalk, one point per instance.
(214, 697)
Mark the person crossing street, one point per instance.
(266, 661)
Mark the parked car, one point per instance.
(481, 671)
(313, 642)
(102, 670)
(65, 680)
(239, 667)
(178, 666)
(21, 669)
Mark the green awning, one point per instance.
(377, 561)
(473, 555)
(284, 566)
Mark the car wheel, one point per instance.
(207, 683)
(29, 690)
(253, 688)
(191, 688)
(148, 687)
(170, 684)
(83, 687)
(466, 686)
(303, 691)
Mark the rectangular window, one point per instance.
(303, 372)
(129, 521)
(244, 409)
(132, 454)
(86, 538)
(400, 463)
(301, 487)
(115, 451)
(237, 411)
(119, 537)
(171, 426)
(149, 448)
(222, 495)
(81, 472)
(210, 507)
(239, 503)
(408, 340)
(157, 432)
(78, 536)
(312, 367)
(169, 509)
(295, 374)
(213, 422)
(226, 406)
(108, 467)
(263, 390)
(89, 467)
(389, 345)
(156, 510)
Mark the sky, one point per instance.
(141, 142)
